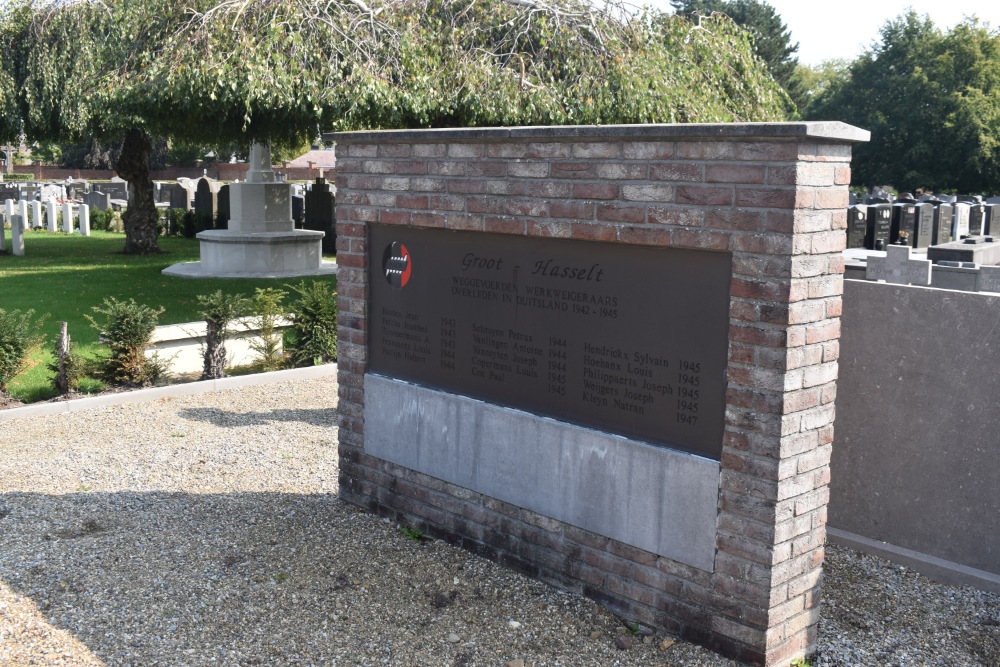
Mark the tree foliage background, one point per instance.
(228, 72)
(931, 99)
(772, 40)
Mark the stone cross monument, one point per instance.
(261, 241)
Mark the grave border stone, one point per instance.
(774, 195)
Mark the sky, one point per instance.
(829, 29)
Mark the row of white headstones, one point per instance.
(16, 214)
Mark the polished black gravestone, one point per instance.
(879, 226)
(320, 214)
(857, 226)
(943, 216)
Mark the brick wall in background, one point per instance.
(773, 195)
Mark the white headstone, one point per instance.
(36, 214)
(84, 219)
(3, 236)
(50, 210)
(67, 213)
(22, 206)
(16, 236)
(960, 221)
(10, 211)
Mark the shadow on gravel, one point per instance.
(218, 417)
(176, 578)
(272, 579)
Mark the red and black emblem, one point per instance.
(397, 264)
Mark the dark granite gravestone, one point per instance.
(904, 223)
(206, 197)
(943, 214)
(162, 193)
(9, 192)
(977, 219)
(222, 213)
(115, 189)
(991, 218)
(857, 226)
(76, 189)
(29, 191)
(180, 196)
(97, 200)
(879, 226)
(923, 230)
(320, 213)
(298, 209)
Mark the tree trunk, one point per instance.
(215, 352)
(140, 218)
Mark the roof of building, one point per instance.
(323, 159)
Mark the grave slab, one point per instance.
(899, 267)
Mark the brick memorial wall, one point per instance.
(604, 356)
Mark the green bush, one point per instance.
(313, 335)
(101, 220)
(192, 223)
(219, 311)
(126, 330)
(266, 304)
(18, 339)
(175, 221)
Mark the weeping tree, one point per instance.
(71, 62)
(280, 71)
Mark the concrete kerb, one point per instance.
(154, 393)
(937, 569)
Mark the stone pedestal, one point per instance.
(261, 241)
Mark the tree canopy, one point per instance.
(772, 40)
(931, 99)
(234, 71)
(276, 69)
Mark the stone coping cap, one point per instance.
(832, 131)
(231, 236)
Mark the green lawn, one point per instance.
(64, 276)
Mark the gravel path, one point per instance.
(206, 530)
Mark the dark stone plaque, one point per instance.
(924, 225)
(627, 339)
(857, 226)
(879, 226)
(943, 214)
(904, 223)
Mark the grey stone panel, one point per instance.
(964, 278)
(915, 454)
(989, 279)
(649, 497)
(898, 267)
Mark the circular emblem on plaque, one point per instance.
(397, 264)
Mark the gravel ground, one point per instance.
(206, 530)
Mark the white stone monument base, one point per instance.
(230, 254)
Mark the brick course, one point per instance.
(770, 195)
